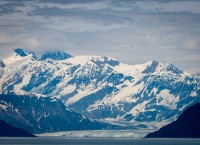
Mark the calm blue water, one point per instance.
(96, 141)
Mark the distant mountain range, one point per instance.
(147, 95)
(186, 126)
(7, 130)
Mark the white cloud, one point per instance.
(192, 43)
(88, 6)
(78, 25)
(18, 41)
(32, 42)
(5, 39)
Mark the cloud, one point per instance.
(23, 40)
(89, 15)
(84, 6)
(32, 42)
(80, 20)
(69, 1)
(78, 26)
(172, 6)
(130, 31)
(5, 39)
(9, 9)
(168, 1)
(192, 43)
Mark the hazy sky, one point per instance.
(131, 31)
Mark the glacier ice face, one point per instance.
(99, 134)
(103, 88)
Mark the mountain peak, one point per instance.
(2, 64)
(172, 68)
(151, 66)
(104, 59)
(152, 62)
(55, 56)
(197, 75)
(21, 52)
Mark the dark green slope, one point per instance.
(186, 126)
(7, 130)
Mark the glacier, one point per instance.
(98, 134)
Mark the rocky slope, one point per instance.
(7, 130)
(186, 126)
(102, 88)
(42, 114)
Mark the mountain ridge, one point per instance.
(102, 88)
(55, 55)
(43, 114)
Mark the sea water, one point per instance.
(95, 141)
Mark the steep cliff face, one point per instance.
(186, 126)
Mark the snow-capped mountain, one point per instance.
(56, 56)
(103, 88)
(43, 114)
